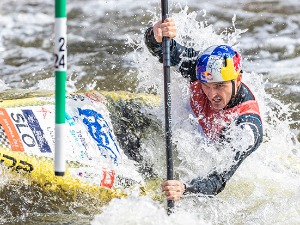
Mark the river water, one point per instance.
(106, 52)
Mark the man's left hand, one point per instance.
(173, 189)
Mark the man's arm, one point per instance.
(250, 128)
(180, 56)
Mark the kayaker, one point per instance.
(219, 100)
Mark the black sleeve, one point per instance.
(180, 56)
(215, 182)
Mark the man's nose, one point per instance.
(212, 93)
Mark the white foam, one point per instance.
(265, 188)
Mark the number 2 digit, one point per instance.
(62, 41)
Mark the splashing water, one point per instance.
(141, 211)
(264, 190)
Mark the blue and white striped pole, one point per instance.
(60, 53)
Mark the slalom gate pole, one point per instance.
(167, 101)
(60, 55)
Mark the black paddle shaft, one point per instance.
(167, 100)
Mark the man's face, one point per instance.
(218, 93)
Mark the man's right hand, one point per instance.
(165, 29)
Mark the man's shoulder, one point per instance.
(246, 93)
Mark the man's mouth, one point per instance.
(216, 99)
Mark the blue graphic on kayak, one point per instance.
(37, 131)
(100, 131)
(70, 120)
(77, 138)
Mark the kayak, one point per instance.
(96, 163)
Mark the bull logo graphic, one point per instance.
(100, 131)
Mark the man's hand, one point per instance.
(165, 29)
(173, 189)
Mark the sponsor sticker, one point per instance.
(108, 178)
(37, 131)
(95, 96)
(11, 132)
(100, 131)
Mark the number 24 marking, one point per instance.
(60, 61)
